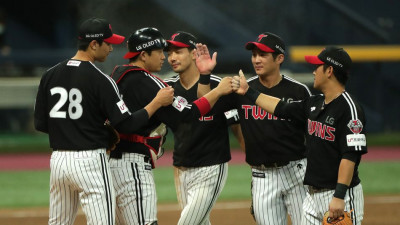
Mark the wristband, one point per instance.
(340, 190)
(203, 105)
(252, 94)
(205, 79)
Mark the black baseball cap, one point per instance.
(96, 28)
(334, 56)
(183, 40)
(267, 42)
(147, 38)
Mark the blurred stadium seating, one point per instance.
(34, 38)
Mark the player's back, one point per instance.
(72, 101)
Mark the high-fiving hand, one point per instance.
(205, 64)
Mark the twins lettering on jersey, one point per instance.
(257, 113)
(321, 130)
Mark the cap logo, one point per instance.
(334, 62)
(148, 44)
(173, 36)
(94, 35)
(261, 36)
(192, 42)
(280, 48)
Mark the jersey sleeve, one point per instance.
(40, 110)
(147, 89)
(351, 129)
(111, 101)
(294, 110)
(232, 117)
(179, 111)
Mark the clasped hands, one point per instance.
(237, 84)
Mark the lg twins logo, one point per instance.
(355, 126)
(261, 36)
(356, 139)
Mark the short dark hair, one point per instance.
(133, 59)
(275, 55)
(83, 44)
(340, 75)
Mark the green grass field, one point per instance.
(30, 188)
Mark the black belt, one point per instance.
(314, 190)
(146, 159)
(271, 165)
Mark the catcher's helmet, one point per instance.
(147, 38)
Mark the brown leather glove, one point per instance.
(341, 220)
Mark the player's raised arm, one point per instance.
(205, 64)
(240, 86)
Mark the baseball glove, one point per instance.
(113, 136)
(342, 220)
(156, 153)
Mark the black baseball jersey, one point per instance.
(332, 131)
(73, 101)
(268, 138)
(138, 88)
(203, 141)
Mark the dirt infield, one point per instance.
(379, 210)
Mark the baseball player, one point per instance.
(136, 154)
(74, 100)
(335, 137)
(201, 147)
(274, 146)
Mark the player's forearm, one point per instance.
(213, 96)
(203, 89)
(137, 120)
(203, 86)
(346, 170)
(266, 102)
(345, 174)
(152, 107)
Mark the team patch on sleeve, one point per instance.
(355, 126)
(356, 140)
(122, 107)
(233, 113)
(179, 103)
